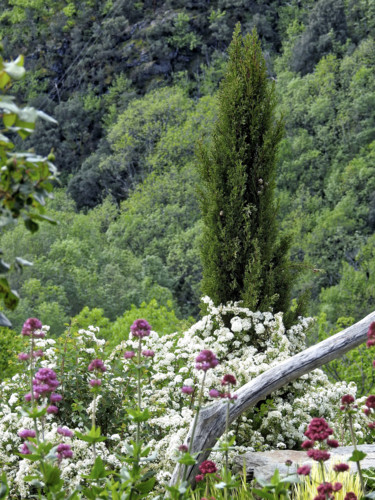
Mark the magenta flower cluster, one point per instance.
(205, 360)
(206, 467)
(32, 328)
(140, 328)
(64, 451)
(44, 385)
(227, 380)
(97, 365)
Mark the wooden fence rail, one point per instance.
(211, 422)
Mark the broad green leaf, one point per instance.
(357, 456)
(9, 119)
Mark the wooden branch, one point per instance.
(211, 422)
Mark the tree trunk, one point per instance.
(211, 422)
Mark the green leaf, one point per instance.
(137, 415)
(9, 119)
(146, 486)
(31, 225)
(262, 494)
(187, 459)
(93, 436)
(357, 456)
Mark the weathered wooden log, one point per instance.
(211, 422)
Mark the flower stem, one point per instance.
(94, 423)
(355, 447)
(200, 398)
(138, 435)
(32, 387)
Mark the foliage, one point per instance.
(243, 256)
(25, 179)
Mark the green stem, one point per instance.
(200, 398)
(94, 423)
(138, 436)
(355, 447)
(32, 387)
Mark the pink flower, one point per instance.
(229, 380)
(140, 328)
(24, 449)
(205, 360)
(148, 353)
(186, 389)
(208, 467)
(370, 402)
(64, 431)
(306, 445)
(337, 487)
(325, 489)
(199, 478)
(371, 425)
(97, 364)
(52, 409)
(30, 326)
(318, 455)
(318, 430)
(26, 433)
(55, 398)
(347, 399)
(183, 448)
(96, 382)
(64, 451)
(129, 354)
(23, 356)
(304, 470)
(341, 467)
(333, 443)
(214, 393)
(350, 496)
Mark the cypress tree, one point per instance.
(243, 256)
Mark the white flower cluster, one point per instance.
(246, 343)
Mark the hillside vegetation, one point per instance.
(133, 86)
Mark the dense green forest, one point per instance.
(133, 87)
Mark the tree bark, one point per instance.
(211, 422)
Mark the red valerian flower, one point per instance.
(333, 443)
(140, 328)
(199, 478)
(347, 399)
(64, 451)
(341, 467)
(370, 402)
(306, 445)
(30, 326)
(304, 470)
(350, 496)
(97, 364)
(205, 360)
(186, 389)
(318, 430)
(229, 380)
(318, 455)
(208, 467)
(325, 488)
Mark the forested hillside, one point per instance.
(133, 87)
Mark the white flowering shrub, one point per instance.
(246, 343)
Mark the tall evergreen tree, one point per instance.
(243, 256)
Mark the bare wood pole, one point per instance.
(211, 422)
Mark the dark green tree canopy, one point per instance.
(242, 254)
